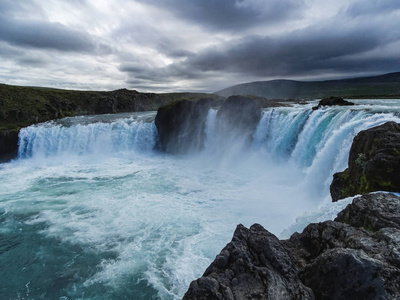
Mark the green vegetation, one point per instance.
(23, 106)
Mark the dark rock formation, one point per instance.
(354, 257)
(331, 101)
(254, 265)
(180, 125)
(374, 163)
(241, 113)
(8, 144)
(238, 117)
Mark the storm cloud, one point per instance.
(199, 45)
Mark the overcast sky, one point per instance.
(194, 45)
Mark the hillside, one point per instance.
(383, 86)
(24, 106)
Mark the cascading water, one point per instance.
(91, 210)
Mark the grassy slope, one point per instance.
(23, 106)
(384, 86)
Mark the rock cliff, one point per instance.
(181, 124)
(354, 257)
(374, 163)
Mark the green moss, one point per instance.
(364, 185)
(361, 160)
(384, 183)
(368, 227)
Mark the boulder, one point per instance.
(356, 256)
(254, 265)
(331, 101)
(374, 163)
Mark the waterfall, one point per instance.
(315, 141)
(140, 224)
(100, 138)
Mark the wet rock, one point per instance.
(181, 124)
(331, 101)
(254, 265)
(357, 256)
(240, 115)
(374, 163)
(8, 144)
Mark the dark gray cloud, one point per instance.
(232, 15)
(39, 34)
(338, 45)
(194, 45)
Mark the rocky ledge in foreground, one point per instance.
(356, 256)
(374, 163)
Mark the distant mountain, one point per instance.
(385, 86)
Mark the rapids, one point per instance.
(90, 210)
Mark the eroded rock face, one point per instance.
(240, 115)
(374, 163)
(357, 256)
(181, 125)
(254, 265)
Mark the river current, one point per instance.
(90, 210)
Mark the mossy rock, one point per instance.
(374, 163)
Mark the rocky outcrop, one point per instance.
(332, 101)
(354, 257)
(254, 265)
(374, 163)
(240, 115)
(181, 124)
(8, 144)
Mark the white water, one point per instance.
(105, 216)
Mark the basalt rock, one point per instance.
(374, 163)
(254, 265)
(241, 113)
(181, 124)
(356, 256)
(331, 101)
(8, 144)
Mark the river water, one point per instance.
(90, 210)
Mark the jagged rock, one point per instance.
(357, 256)
(180, 125)
(331, 101)
(373, 212)
(254, 265)
(374, 163)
